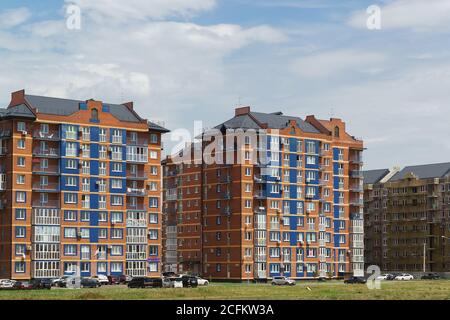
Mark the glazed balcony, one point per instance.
(49, 136)
(48, 204)
(50, 170)
(50, 187)
(136, 192)
(47, 153)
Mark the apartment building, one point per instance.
(80, 189)
(407, 218)
(297, 211)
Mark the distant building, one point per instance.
(80, 185)
(298, 214)
(407, 213)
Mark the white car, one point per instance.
(6, 283)
(202, 282)
(384, 277)
(102, 279)
(404, 276)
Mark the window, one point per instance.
(102, 168)
(70, 250)
(71, 149)
(103, 233)
(19, 267)
(70, 215)
(102, 135)
(116, 267)
(94, 114)
(116, 233)
(71, 164)
(153, 138)
(71, 181)
(21, 161)
(153, 202)
(116, 200)
(85, 216)
(21, 144)
(84, 233)
(103, 216)
(153, 155)
(20, 179)
(116, 167)
(21, 232)
(70, 232)
(153, 218)
(154, 170)
(116, 250)
(117, 217)
(336, 131)
(44, 128)
(21, 196)
(21, 126)
(21, 214)
(153, 234)
(116, 183)
(152, 250)
(70, 198)
(20, 249)
(71, 132)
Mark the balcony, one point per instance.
(356, 174)
(260, 210)
(260, 258)
(136, 206)
(260, 225)
(47, 153)
(136, 239)
(49, 136)
(136, 192)
(226, 211)
(260, 195)
(356, 160)
(260, 241)
(50, 170)
(46, 204)
(137, 142)
(46, 217)
(139, 175)
(136, 256)
(140, 158)
(3, 151)
(137, 223)
(357, 202)
(356, 188)
(259, 179)
(50, 187)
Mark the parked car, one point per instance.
(202, 282)
(404, 277)
(60, 282)
(125, 279)
(168, 282)
(187, 281)
(114, 279)
(355, 280)
(145, 283)
(386, 276)
(7, 284)
(22, 285)
(41, 283)
(431, 276)
(102, 279)
(90, 283)
(283, 281)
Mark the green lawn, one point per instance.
(303, 290)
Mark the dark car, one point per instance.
(125, 279)
(145, 283)
(188, 281)
(41, 283)
(355, 280)
(431, 276)
(114, 279)
(23, 285)
(90, 283)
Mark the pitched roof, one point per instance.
(274, 121)
(19, 111)
(66, 107)
(427, 171)
(156, 127)
(374, 176)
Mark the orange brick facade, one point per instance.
(79, 190)
(299, 215)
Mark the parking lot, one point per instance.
(393, 290)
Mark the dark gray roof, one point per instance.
(19, 111)
(374, 176)
(156, 127)
(65, 107)
(273, 120)
(427, 171)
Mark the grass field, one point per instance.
(391, 290)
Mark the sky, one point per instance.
(187, 60)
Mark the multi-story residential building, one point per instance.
(407, 218)
(296, 212)
(80, 189)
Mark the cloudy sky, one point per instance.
(186, 60)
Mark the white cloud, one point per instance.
(333, 63)
(123, 11)
(14, 17)
(411, 14)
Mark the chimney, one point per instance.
(241, 111)
(17, 98)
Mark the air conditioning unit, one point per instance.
(24, 132)
(29, 248)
